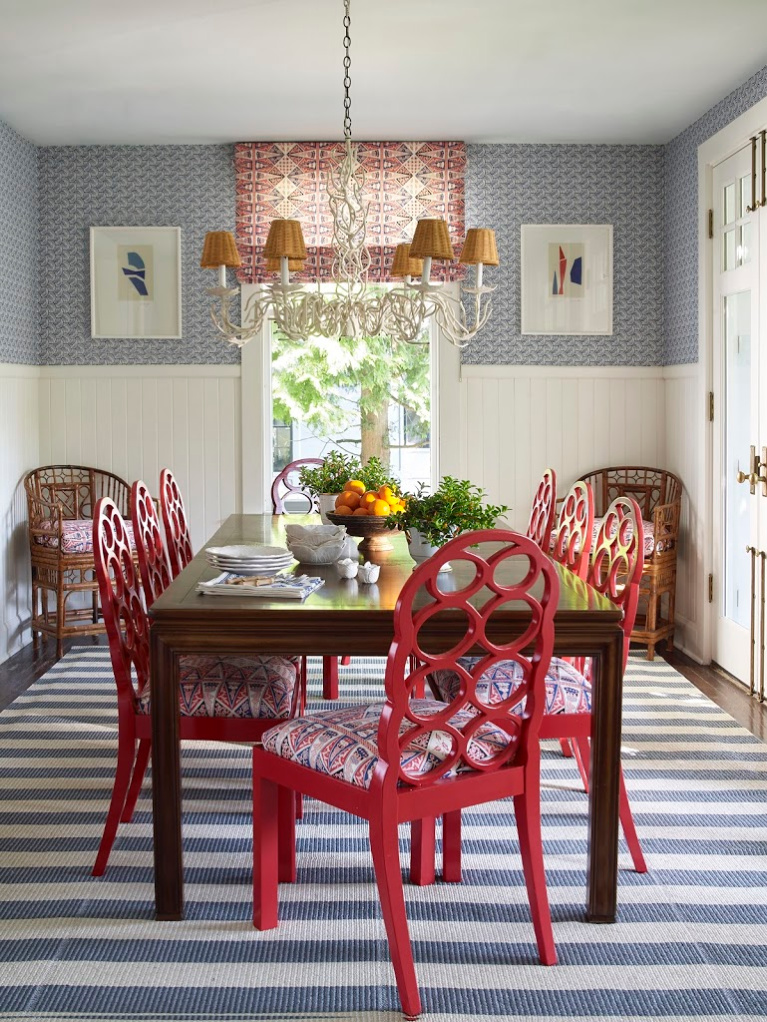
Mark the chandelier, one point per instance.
(351, 309)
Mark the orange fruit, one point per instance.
(360, 511)
(386, 493)
(344, 510)
(355, 486)
(381, 508)
(368, 499)
(349, 499)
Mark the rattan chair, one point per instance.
(659, 495)
(61, 500)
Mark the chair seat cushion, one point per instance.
(344, 743)
(567, 690)
(233, 686)
(76, 535)
(648, 533)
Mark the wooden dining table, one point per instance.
(346, 617)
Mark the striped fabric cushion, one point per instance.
(233, 686)
(344, 743)
(76, 535)
(567, 691)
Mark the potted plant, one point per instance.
(431, 519)
(327, 480)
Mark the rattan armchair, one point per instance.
(61, 500)
(659, 495)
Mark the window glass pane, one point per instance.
(744, 256)
(737, 339)
(730, 246)
(729, 203)
(745, 195)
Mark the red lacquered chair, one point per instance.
(574, 532)
(543, 511)
(410, 759)
(234, 699)
(287, 482)
(616, 569)
(175, 523)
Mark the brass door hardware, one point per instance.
(762, 636)
(758, 473)
(754, 201)
(763, 202)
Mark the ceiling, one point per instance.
(76, 72)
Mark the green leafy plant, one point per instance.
(453, 508)
(332, 476)
(374, 475)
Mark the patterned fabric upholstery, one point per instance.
(233, 686)
(76, 535)
(344, 743)
(567, 691)
(648, 531)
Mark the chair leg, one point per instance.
(345, 661)
(286, 836)
(265, 853)
(384, 846)
(330, 677)
(451, 847)
(527, 809)
(564, 745)
(629, 829)
(126, 756)
(139, 769)
(422, 851)
(582, 751)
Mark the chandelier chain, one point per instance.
(347, 78)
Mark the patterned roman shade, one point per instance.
(404, 181)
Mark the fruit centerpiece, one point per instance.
(364, 510)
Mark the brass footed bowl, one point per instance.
(371, 528)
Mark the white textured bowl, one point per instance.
(347, 568)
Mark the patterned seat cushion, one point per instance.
(233, 686)
(344, 743)
(567, 690)
(76, 535)
(648, 532)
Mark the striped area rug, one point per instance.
(691, 942)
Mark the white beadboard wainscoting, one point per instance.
(19, 452)
(136, 420)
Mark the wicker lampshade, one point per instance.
(285, 239)
(403, 265)
(431, 238)
(479, 247)
(294, 265)
(219, 250)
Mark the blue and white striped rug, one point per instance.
(691, 942)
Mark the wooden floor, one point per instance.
(21, 670)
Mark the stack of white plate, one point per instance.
(250, 560)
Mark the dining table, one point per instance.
(346, 617)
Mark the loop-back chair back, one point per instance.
(175, 522)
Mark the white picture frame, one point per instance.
(135, 282)
(583, 300)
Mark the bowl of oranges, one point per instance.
(364, 513)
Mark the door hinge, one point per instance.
(711, 406)
(710, 588)
(711, 223)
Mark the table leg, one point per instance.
(602, 880)
(330, 677)
(166, 783)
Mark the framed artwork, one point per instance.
(567, 279)
(136, 282)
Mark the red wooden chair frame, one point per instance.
(574, 532)
(153, 561)
(397, 793)
(293, 486)
(127, 627)
(543, 511)
(175, 523)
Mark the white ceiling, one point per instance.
(76, 72)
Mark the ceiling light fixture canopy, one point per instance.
(351, 309)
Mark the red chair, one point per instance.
(411, 759)
(543, 511)
(574, 532)
(616, 569)
(287, 482)
(234, 699)
(175, 522)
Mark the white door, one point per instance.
(739, 321)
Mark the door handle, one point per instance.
(758, 473)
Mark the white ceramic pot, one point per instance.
(327, 503)
(420, 550)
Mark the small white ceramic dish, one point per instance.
(347, 568)
(368, 573)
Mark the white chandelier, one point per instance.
(352, 309)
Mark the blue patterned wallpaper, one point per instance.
(681, 225)
(191, 187)
(19, 313)
(511, 185)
